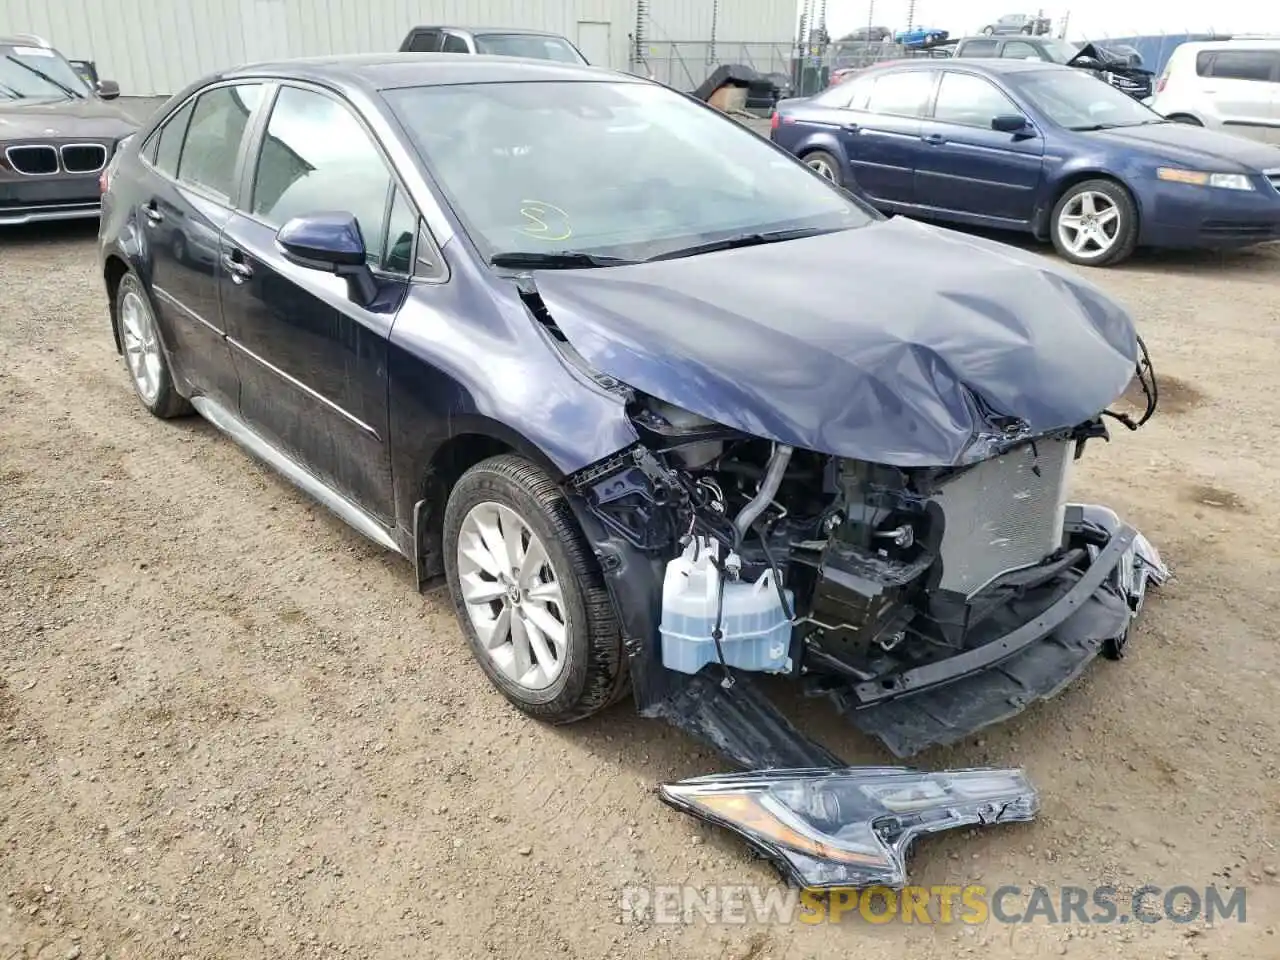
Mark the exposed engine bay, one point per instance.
(868, 581)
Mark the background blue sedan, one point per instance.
(1039, 148)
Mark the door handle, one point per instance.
(153, 213)
(850, 128)
(935, 139)
(234, 264)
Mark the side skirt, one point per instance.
(299, 476)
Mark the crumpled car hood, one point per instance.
(896, 343)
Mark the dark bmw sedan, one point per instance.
(1039, 148)
(654, 400)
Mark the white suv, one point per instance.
(1228, 85)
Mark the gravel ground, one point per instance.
(229, 728)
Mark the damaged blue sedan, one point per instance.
(663, 408)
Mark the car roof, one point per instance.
(1017, 38)
(389, 71)
(989, 65)
(487, 31)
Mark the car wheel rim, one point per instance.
(513, 596)
(1089, 225)
(141, 348)
(823, 168)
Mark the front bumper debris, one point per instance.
(854, 826)
(948, 700)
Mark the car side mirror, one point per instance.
(331, 242)
(108, 89)
(1011, 123)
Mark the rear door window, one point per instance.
(454, 44)
(1259, 65)
(424, 41)
(851, 95)
(1018, 50)
(980, 48)
(212, 145)
(169, 146)
(902, 94)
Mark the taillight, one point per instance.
(104, 178)
(774, 120)
(1160, 84)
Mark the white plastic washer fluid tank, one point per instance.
(755, 630)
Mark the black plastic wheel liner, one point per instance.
(738, 720)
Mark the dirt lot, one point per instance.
(229, 728)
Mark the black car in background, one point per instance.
(1121, 66)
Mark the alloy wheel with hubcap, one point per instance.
(1089, 224)
(141, 347)
(825, 165)
(1095, 223)
(144, 354)
(513, 595)
(529, 592)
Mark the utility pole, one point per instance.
(911, 14)
(1066, 21)
(871, 17)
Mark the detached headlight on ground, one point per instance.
(850, 827)
(1200, 178)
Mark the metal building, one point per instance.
(155, 47)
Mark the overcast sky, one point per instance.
(1089, 18)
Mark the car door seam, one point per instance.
(169, 298)
(309, 391)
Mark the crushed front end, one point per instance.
(925, 602)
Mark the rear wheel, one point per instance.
(1095, 223)
(529, 594)
(825, 165)
(988, 31)
(143, 353)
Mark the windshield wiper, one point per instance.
(561, 260)
(743, 240)
(44, 76)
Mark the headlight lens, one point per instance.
(1226, 181)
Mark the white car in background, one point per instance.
(1227, 85)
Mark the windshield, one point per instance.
(1078, 100)
(1059, 51)
(628, 170)
(38, 74)
(528, 45)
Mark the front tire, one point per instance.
(529, 594)
(1095, 224)
(988, 31)
(144, 355)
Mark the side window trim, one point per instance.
(237, 174)
(252, 156)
